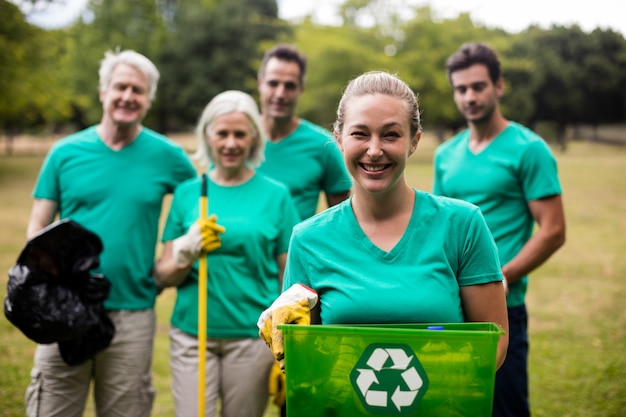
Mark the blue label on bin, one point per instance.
(389, 379)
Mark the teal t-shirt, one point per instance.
(308, 161)
(446, 245)
(242, 279)
(516, 167)
(118, 195)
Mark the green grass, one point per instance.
(575, 301)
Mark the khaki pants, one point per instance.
(237, 372)
(121, 374)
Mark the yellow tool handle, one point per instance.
(202, 307)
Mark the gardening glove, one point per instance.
(291, 307)
(202, 237)
(276, 385)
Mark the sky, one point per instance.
(508, 15)
(511, 16)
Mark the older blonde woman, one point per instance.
(246, 254)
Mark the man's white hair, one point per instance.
(143, 64)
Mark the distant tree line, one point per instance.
(48, 78)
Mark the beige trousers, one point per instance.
(120, 373)
(237, 372)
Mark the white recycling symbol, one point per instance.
(400, 361)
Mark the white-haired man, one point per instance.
(110, 178)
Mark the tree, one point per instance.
(561, 75)
(604, 66)
(211, 49)
(429, 41)
(137, 25)
(521, 80)
(559, 54)
(31, 76)
(331, 65)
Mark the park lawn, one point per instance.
(575, 301)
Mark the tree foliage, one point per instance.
(202, 47)
(32, 80)
(137, 25)
(569, 76)
(210, 50)
(605, 83)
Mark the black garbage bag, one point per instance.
(53, 297)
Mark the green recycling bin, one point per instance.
(428, 370)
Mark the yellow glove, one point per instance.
(276, 385)
(291, 307)
(209, 231)
(202, 237)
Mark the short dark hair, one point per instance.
(471, 54)
(287, 53)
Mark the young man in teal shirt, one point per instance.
(299, 153)
(510, 173)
